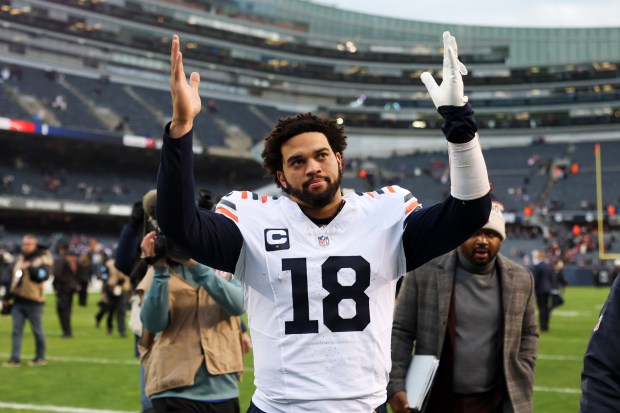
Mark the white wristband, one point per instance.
(468, 171)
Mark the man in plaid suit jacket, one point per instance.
(474, 309)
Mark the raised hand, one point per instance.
(185, 97)
(450, 93)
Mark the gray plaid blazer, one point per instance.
(421, 317)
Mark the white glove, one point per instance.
(450, 93)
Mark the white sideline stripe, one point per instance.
(563, 340)
(571, 313)
(133, 362)
(79, 359)
(92, 360)
(559, 357)
(63, 409)
(557, 390)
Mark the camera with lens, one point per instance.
(164, 247)
(160, 246)
(168, 249)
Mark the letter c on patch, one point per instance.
(276, 239)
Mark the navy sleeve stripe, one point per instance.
(228, 204)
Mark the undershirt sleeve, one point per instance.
(209, 238)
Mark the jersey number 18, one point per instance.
(301, 323)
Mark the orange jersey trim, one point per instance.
(229, 214)
(411, 207)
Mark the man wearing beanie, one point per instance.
(474, 310)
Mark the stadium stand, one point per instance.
(539, 113)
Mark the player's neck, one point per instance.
(329, 211)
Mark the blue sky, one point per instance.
(530, 13)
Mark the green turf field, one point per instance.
(97, 371)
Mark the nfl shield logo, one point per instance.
(323, 240)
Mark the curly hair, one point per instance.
(291, 126)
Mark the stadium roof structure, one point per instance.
(526, 45)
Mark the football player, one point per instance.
(319, 268)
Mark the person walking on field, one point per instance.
(474, 309)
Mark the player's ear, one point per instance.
(281, 179)
(339, 160)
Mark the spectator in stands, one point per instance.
(212, 106)
(600, 381)
(60, 102)
(473, 309)
(26, 189)
(66, 281)
(7, 182)
(123, 125)
(5, 74)
(32, 268)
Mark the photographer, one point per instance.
(32, 268)
(195, 362)
(196, 335)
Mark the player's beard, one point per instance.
(315, 200)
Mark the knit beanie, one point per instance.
(496, 221)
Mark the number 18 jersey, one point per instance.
(320, 299)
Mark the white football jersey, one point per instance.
(320, 299)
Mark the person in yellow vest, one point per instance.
(195, 361)
(32, 268)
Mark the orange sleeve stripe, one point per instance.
(229, 214)
(370, 194)
(411, 207)
(263, 199)
(390, 188)
(244, 194)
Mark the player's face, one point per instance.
(311, 171)
(482, 247)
